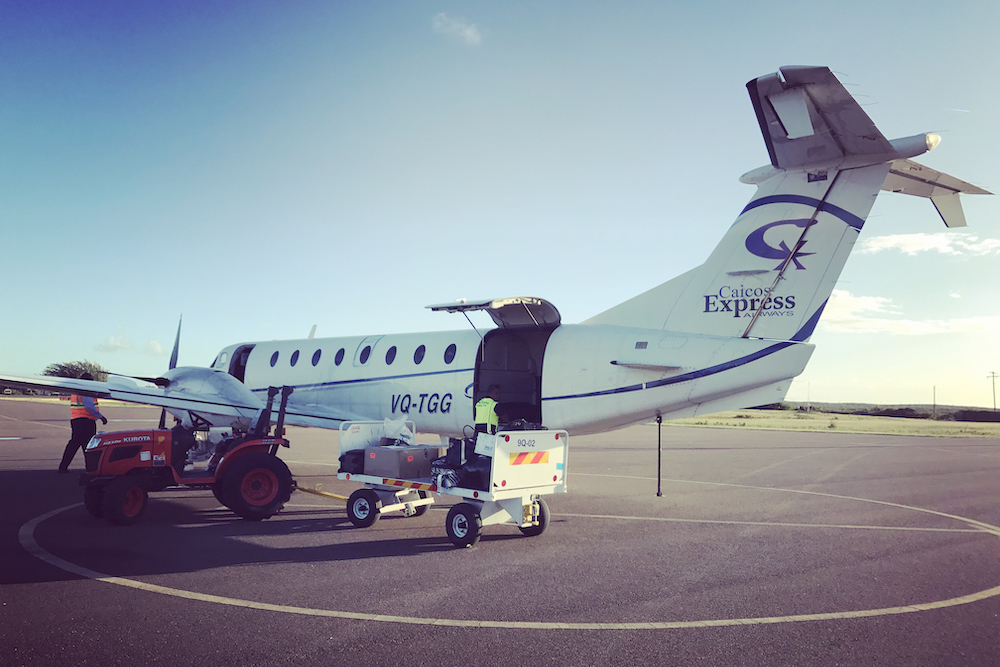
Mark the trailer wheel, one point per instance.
(464, 525)
(543, 521)
(93, 500)
(220, 494)
(256, 486)
(124, 501)
(363, 508)
(421, 509)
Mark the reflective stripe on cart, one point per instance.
(528, 458)
(409, 485)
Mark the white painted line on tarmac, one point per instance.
(27, 539)
(985, 527)
(776, 524)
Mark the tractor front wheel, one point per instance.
(124, 501)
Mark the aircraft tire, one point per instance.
(543, 521)
(464, 525)
(93, 500)
(256, 486)
(124, 501)
(363, 508)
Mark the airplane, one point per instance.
(728, 334)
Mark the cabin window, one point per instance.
(418, 354)
(295, 358)
(390, 355)
(365, 353)
(316, 355)
(274, 359)
(449, 354)
(339, 357)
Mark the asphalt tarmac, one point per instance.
(766, 548)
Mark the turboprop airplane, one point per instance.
(728, 334)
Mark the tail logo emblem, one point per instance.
(757, 245)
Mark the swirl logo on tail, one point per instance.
(757, 245)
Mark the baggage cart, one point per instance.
(516, 469)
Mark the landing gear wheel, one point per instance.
(220, 494)
(124, 501)
(363, 508)
(422, 509)
(93, 500)
(543, 521)
(464, 525)
(256, 486)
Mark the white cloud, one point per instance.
(846, 313)
(458, 29)
(114, 343)
(154, 349)
(946, 243)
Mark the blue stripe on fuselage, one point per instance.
(693, 375)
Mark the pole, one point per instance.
(659, 455)
(993, 376)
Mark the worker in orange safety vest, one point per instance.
(83, 414)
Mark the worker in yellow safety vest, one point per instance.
(487, 418)
(83, 413)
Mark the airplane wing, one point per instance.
(320, 416)
(214, 395)
(200, 390)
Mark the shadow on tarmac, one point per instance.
(185, 531)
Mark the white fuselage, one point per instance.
(589, 378)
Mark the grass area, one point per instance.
(790, 420)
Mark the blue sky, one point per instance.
(262, 167)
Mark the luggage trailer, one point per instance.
(524, 466)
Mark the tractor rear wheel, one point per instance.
(256, 486)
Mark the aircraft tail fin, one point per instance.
(772, 273)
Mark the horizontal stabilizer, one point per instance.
(909, 178)
(807, 117)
